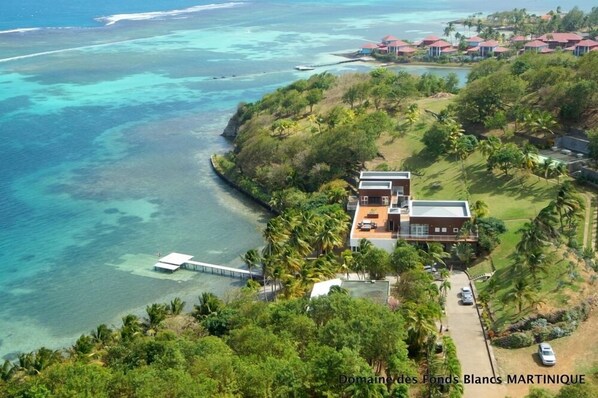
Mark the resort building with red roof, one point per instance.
(556, 39)
(440, 47)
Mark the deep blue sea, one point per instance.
(109, 111)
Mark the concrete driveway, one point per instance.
(466, 330)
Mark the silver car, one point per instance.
(546, 354)
(466, 296)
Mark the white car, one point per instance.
(466, 296)
(546, 354)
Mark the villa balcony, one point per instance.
(352, 202)
(436, 238)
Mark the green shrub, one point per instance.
(515, 340)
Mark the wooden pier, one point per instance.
(174, 261)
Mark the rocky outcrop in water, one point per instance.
(234, 123)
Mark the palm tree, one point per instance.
(131, 327)
(445, 285)
(276, 236)
(434, 253)
(530, 156)
(156, 314)
(560, 169)
(102, 334)
(176, 306)
(34, 362)
(546, 221)
(489, 146)
(568, 203)
(479, 209)
(412, 114)
(450, 28)
(532, 240)
(521, 293)
(209, 304)
(464, 252)
(421, 325)
(547, 166)
(252, 258)
(7, 370)
(536, 262)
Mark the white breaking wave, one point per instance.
(112, 19)
(22, 30)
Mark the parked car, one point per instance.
(467, 299)
(546, 354)
(430, 268)
(466, 296)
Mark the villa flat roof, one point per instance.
(439, 208)
(375, 185)
(387, 175)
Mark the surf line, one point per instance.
(64, 50)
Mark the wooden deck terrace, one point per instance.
(380, 231)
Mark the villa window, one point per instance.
(443, 229)
(385, 200)
(419, 229)
(455, 230)
(364, 200)
(436, 229)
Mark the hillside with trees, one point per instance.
(243, 347)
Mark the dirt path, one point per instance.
(576, 354)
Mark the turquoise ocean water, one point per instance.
(109, 111)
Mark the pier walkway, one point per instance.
(174, 261)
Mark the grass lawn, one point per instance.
(515, 199)
(576, 354)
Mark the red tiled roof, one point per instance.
(535, 44)
(397, 43)
(572, 48)
(389, 38)
(489, 43)
(431, 38)
(475, 38)
(501, 50)
(407, 50)
(449, 50)
(587, 43)
(473, 50)
(546, 17)
(518, 38)
(441, 44)
(382, 48)
(560, 37)
(594, 49)
(369, 45)
(546, 50)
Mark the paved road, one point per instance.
(466, 330)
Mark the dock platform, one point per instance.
(173, 261)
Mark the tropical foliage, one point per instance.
(282, 349)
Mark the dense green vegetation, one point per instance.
(246, 348)
(299, 149)
(533, 92)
